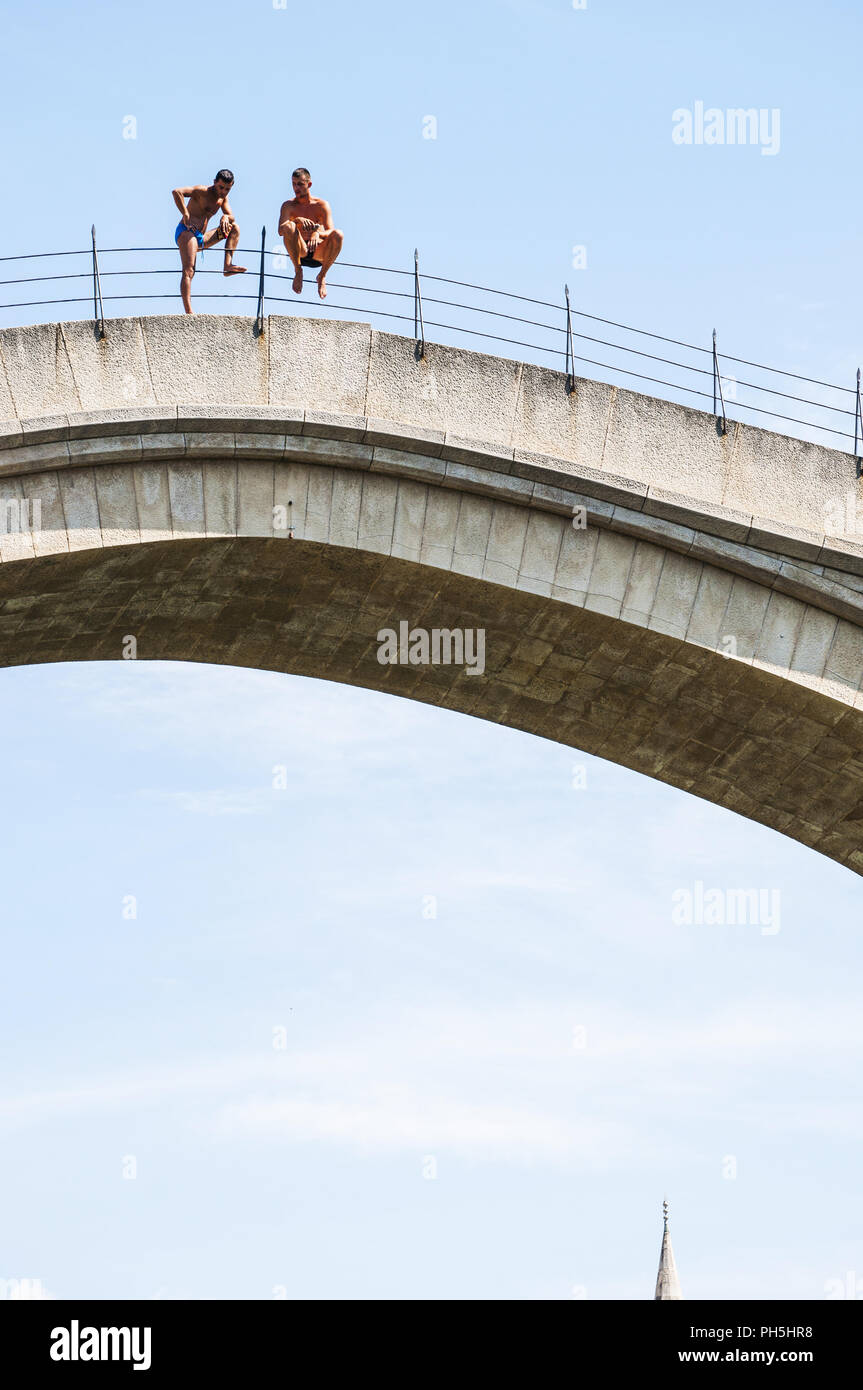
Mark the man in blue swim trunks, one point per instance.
(192, 236)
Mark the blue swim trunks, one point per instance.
(181, 227)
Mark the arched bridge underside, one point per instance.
(153, 487)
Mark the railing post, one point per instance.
(717, 382)
(570, 350)
(98, 310)
(858, 417)
(259, 321)
(419, 326)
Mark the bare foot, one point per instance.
(234, 270)
(322, 285)
(298, 282)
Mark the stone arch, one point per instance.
(722, 654)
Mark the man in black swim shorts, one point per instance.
(306, 227)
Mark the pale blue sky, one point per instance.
(553, 131)
(407, 1036)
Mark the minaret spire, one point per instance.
(667, 1282)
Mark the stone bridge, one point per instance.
(276, 500)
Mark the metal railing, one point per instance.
(545, 330)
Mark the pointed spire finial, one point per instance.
(667, 1282)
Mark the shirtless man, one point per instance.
(306, 227)
(192, 236)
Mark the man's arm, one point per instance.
(227, 216)
(285, 216)
(179, 195)
(325, 211)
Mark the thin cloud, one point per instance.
(217, 801)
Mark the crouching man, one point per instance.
(306, 227)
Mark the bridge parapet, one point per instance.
(651, 455)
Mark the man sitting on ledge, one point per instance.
(191, 234)
(306, 227)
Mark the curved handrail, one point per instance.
(477, 321)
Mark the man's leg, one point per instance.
(328, 247)
(187, 245)
(231, 245)
(233, 240)
(296, 249)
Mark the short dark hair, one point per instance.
(301, 171)
(224, 176)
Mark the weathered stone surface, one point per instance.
(220, 499)
(554, 668)
(118, 508)
(208, 359)
(80, 508)
(153, 502)
(469, 395)
(37, 370)
(16, 542)
(471, 536)
(318, 365)
(692, 459)
(322, 482)
(409, 520)
(343, 380)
